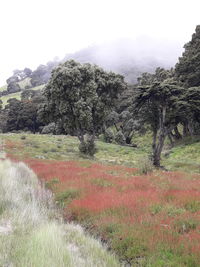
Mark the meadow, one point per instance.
(148, 219)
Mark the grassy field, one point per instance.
(32, 232)
(148, 220)
(17, 95)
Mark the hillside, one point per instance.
(17, 95)
(125, 56)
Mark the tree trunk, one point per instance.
(170, 139)
(191, 128)
(158, 141)
(177, 134)
(158, 149)
(116, 127)
(185, 129)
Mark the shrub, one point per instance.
(108, 136)
(51, 184)
(49, 129)
(145, 165)
(120, 138)
(88, 146)
(66, 196)
(193, 206)
(185, 225)
(130, 249)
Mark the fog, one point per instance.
(118, 32)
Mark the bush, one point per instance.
(145, 165)
(120, 138)
(108, 136)
(88, 146)
(49, 129)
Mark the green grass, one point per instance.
(184, 157)
(66, 148)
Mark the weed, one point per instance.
(130, 248)
(145, 166)
(173, 211)
(193, 206)
(52, 183)
(67, 196)
(185, 225)
(155, 209)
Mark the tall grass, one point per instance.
(32, 232)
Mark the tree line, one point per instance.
(84, 100)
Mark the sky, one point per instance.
(35, 31)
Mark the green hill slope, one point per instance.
(17, 95)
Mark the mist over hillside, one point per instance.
(131, 57)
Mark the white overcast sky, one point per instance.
(34, 31)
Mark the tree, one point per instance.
(43, 73)
(188, 67)
(124, 124)
(12, 109)
(23, 115)
(81, 96)
(190, 111)
(158, 105)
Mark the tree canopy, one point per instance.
(81, 96)
(188, 67)
(157, 103)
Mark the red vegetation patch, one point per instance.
(162, 208)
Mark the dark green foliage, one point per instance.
(49, 129)
(108, 136)
(29, 94)
(123, 123)
(188, 67)
(13, 87)
(80, 97)
(158, 103)
(12, 82)
(22, 115)
(120, 138)
(88, 146)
